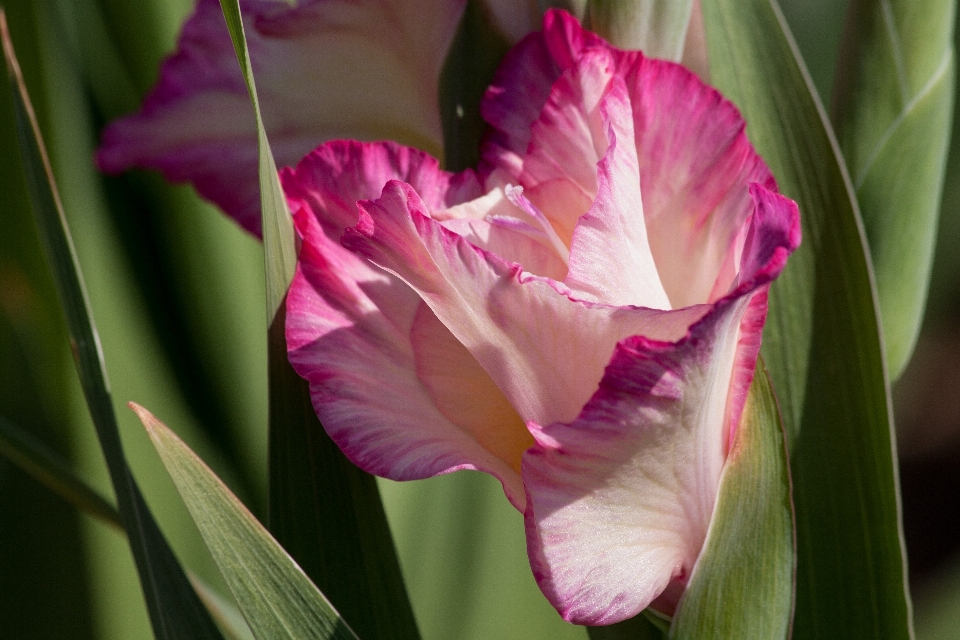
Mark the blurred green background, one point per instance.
(177, 293)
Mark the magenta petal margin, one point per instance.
(580, 317)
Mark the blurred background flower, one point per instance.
(177, 291)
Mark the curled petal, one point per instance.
(522, 84)
(526, 332)
(623, 495)
(620, 499)
(610, 254)
(336, 175)
(324, 69)
(695, 162)
(372, 350)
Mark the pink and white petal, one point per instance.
(568, 138)
(325, 69)
(695, 168)
(620, 499)
(534, 256)
(566, 39)
(350, 331)
(774, 234)
(610, 258)
(521, 86)
(512, 103)
(389, 319)
(331, 179)
(464, 393)
(695, 161)
(495, 223)
(525, 331)
(562, 202)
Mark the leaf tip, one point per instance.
(150, 422)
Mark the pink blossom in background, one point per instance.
(364, 69)
(325, 69)
(579, 317)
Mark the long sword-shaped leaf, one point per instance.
(742, 585)
(475, 54)
(822, 343)
(658, 27)
(325, 511)
(49, 469)
(31, 455)
(275, 595)
(280, 256)
(328, 513)
(231, 621)
(175, 611)
(892, 108)
(54, 472)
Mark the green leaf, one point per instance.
(328, 513)
(324, 510)
(231, 621)
(822, 342)
(280, 255)
(657, 27)
(48, 468)
(742, 584)
(276, 597)
(175, 611)
(475, 54)
(464, 557)
(892, 108)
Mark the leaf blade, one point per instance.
(46, 467)
(747, 553)
(275, 595)
(175, 610)
(822, 342)
(657, 27)
(892, 108)
(324, 510)
(280, 255)
(474, 56)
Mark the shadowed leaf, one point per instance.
(276, 597)
(892, 107)
(742, 584)
(822, 342)
(175, 611)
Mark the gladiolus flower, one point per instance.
(325, 69)
(579, 317)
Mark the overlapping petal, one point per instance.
(581, 317)
(695, 161)
(325, 69)
(527, 332)
(369, 346)
(626, 491)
